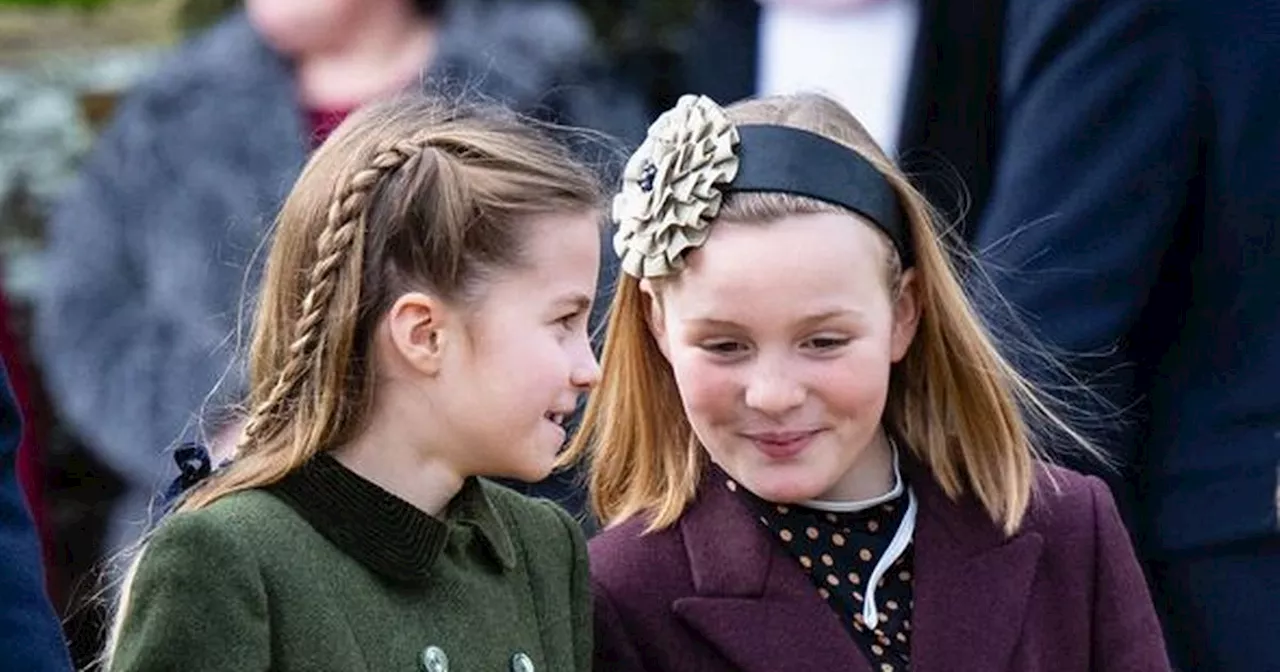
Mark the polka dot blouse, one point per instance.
(838, 551)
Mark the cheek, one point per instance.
(513, 366)
(541, 355)
(709, 391)
(857, 384)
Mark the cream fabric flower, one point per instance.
(671, 187)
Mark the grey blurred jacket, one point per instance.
(153, 250)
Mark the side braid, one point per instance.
(343, 230)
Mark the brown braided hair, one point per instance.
(409, 194)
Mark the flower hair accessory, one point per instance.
(672, 187)
(674, 184)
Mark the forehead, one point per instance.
(562, 255)
(792, 262)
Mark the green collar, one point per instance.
(383, 532)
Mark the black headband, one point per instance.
(791, 160)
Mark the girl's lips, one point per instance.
(782, 445)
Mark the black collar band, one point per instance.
(383, 532)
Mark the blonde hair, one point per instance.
(955, 401)
(409, 193)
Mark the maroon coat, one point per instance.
(715, 592)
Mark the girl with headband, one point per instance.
(807, 452)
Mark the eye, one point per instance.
(570, 320)
(724, 348)
(827, 343)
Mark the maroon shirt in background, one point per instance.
(321, 122)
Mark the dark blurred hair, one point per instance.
(430, 7)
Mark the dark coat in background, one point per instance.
(30, 635)
(1133, 222)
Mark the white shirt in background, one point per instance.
(860, 56)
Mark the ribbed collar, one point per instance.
(383, 532)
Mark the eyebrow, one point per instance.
(580, 301)
(810, 320)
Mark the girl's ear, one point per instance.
(906, 315)
(419, 329)
(655, 316)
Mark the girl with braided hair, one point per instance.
(421, 324)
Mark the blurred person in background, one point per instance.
(30, 635)
(1134, 221)
(151, 252)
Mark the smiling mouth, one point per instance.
(782, 445)
(780, 437)
(556, 418)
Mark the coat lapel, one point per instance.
(752, 602)
(971, 584)
(756, 606)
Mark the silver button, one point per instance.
(434, 660)
(521, 662)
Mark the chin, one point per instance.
(525, 473)
(532, 471)
(783, 484)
